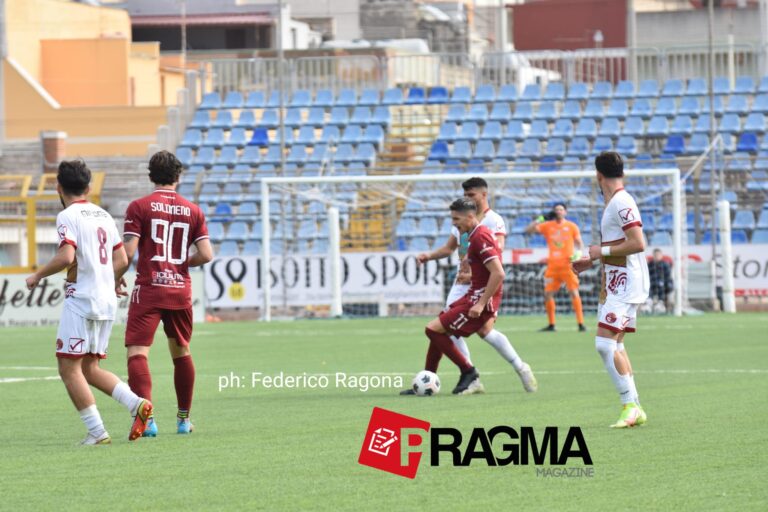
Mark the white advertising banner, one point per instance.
(42, 306)
(299, 280)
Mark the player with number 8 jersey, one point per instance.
(163, 226)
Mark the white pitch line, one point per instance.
(8, 380)
(27, 367)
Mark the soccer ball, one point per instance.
(426, 383)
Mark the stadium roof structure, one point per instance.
(203, 20)
(195, 10)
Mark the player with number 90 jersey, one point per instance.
(167, 225)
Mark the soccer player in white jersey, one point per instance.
(625, 282)
(476, 189)
(91, 251)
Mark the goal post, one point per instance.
(360, 215)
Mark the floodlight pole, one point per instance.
(280, 83)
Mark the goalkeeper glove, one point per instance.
(540, 219)
(576, 256)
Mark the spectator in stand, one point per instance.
(660, 273)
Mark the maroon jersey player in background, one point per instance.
(163, 226)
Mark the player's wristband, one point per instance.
(605, 251)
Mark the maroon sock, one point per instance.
(434, 354)
(184, 380)
(446, 346)
(139, 378)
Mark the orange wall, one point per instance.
(91, 72)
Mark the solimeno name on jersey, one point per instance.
(171, 209)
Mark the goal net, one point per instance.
(347, 243)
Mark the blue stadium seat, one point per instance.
(666, 107)
(602, 144)
(523, 112)
(536, 241)
(361, 115)
(306, 136)
(477, 113)
(273, 101)
(624, 90)
(216, 231)
(690, 106)
(634, 127)
(696, 87)
(579, 147)
(641, 107)
(719, 106)
(523, 164)
(657, 127)
(578, 91)
(702, 124)
(485, 94)
(232, 193)
(500, 112)
(461, 150)
(737, 105)
(546, 111)
(698, 143)
(643, 161)
(301, 99)
(627, 146)
(507, 149)
(762, 221)
(555, 148)
(222, 212)
(246, 119)
(323, 98)
(763, 86)
(288, 132)
(223, 120)
(761, 162)
(730, 123)
(251, 156)
(227, 156)
(374, 134)
(548, 163)
(760, 104)
(744, 85)
(539, 129)
(618, 108)
(353, 134)
(228, 248)
(346, 98)
(673, 87)
(594, 109)
(344, 154)
(747, 142)
(369, 98)
(205, 156)
(219, 175)
(485, 150)
(255, 99)
(469, 131)
(515, 130)
(610, 127)
(416, 96)
(682, 125)
(192, 139)
(439, 151)
(661, 238)
(571, 110)
(563, 128)
(602, 90)
(675, 145)
(392, 96)
(238, 231)
(437, 96)
(507, 93)
(744, 219)
(339, 116)
(648, 89)
(721, 86)
(293, 117)
(740, 162)
(739, 236)
(320, 156)
(492, 131)
(297, 155)
(531, 148)
(461, 94)
(456, 113)
(233, 100)
(532, 92)
(269, 119)
(316, 117)
(201, 120)
(211, 101)
(755, 123)
(330, 134)
(381, 116)
(273, 155)
(555, 91)
(586, 127)
(706, 237)
(448, 132)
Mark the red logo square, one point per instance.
(383, 442)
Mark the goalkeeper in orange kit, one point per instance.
(561, 236)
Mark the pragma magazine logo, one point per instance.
(395, 443)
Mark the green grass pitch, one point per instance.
(703, 381)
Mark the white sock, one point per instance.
(606, 348)
(461, 344)
(92, 419)
(502, 345)
(123, 394)
(632, 387)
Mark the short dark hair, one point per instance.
(164, 168)
(474, 183)
(610, 164)
(463, 205)
(74, 177)
(559, 203)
